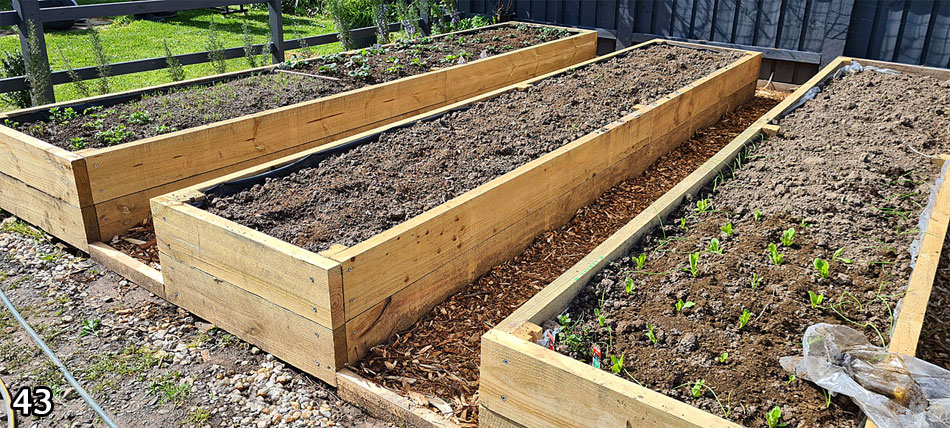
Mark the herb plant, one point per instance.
(650, 334)
(822, 267)
(755, 280)
(727, 229)
(774, 255)
(697, 388)
(680, 305)
(78, 142)
(616, 364)
(702, 206)
(640, 261)
(774, 418)
(788, 237)
(744, 318)
(815, 299)
(714, 246)
(629, 286)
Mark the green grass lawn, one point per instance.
(130, 40)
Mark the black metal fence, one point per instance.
(26, 11)
(795, 36)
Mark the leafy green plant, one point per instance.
(164, 129)
(815, 299)
(348, 15)
(564, 320)
(89, 327)
(822, 267)
(78, 142)
(616, 364)
(114, 135)
(680, 305)
(791, 378)
(12, 65)
(693, 268)
(380, 11)
(788, 237)
(697, 389)
(215, 48)
(727, 229)
(714, 246)
(600, 318)
(683, 223)
(629, 286)
(650, 334)
(755, 280)
(744, 318)
(640, 261)
(140, 117)
(408, 16)
(702, 206)
(837, 255)
(62, 116)
(722, 357)
(774, 418)
(757, 215)
(774, 255)
(78, 83)
(103, 62)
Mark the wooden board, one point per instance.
(115, 183)
(54, 216)
(128, 267)
(522, 383)
(387, 405)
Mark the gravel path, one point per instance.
(144, 360)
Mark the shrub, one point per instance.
(12, 65)
(348, 15)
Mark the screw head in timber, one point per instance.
(314, 308)
(503, 398)
(352, 299)
(311, 279)
(350, 269)
(317, 363)
(506, 362)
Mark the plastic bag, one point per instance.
(893, 390)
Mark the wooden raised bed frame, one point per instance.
(322, 311)
(526, 385)
(95, 194)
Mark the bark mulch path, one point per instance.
(439, 355)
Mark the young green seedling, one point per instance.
(791, 378)
(564, 320)
(727, 229)
(755, 280)
(702, 206)
(815, 299)
(723, 357)
(774, 418)
(641, 261)
(616, 364)
(693, 264)
(837, 255)
(714, 246)
(629, 286)
(600, 318)
(697, 388)
(757, 215)
(680, 305)
(788, 237)
(744, 318)
(683, 224)
(650, 334)
(774, 255)
(822, 267)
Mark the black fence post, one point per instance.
(276, 30)
(29, 12)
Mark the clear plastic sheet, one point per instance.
(893, 390)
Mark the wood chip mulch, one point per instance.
(139, 242)
(436, 361)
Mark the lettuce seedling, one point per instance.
(564, 320)
(788, 237)
(642, 260)
(774, 418)
(714, 246)
(757, 215)
(616, 364)
(78, 142)
(774, 255)
(702, 206)
(629, 286)
(697, 388)
(755, 280)
(837, 255)
(693, 264)
(600, 318)
(822, 267)
(727, 229)
(744, 318)
(650, 334)
(680, 305)
(815, 299)
(723, 357)
(683, 224)
(791, 378)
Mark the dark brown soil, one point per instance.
(441, 352)
(934, 343)
(161, 113)
(352, 196)
(845, 172)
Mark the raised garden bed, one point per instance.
(320, 306)
(144, 143)
(669, 348)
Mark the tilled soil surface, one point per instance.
(147, 362)
(934, 343)
(161, 113)
(441, 352)
(846, 172)
(352, 196)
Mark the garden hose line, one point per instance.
(11, 418)
(59, 364)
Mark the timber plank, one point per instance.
(384, 404)
(128, 267)
(44, 167)
(54, 216)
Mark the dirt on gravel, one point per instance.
(441, 351)
(147, 362)
(934, 345)
(350, 197)
(847, 172)
(161, 113)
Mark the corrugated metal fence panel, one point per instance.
(789, 32)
